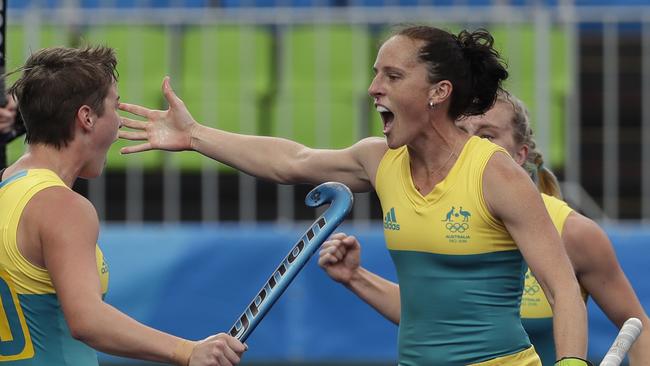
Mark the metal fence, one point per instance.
(266, 49)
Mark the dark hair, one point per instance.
(523, 135)
(55, 83)
(468, 60)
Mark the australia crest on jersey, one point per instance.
(457, 224)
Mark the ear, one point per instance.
(521, 155)
(440, 92)
(86, 118)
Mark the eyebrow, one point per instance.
(484, 126)
(389, 69)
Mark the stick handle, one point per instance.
(629, 332)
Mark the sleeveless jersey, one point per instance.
(459, 270)
(536, 313)
(33, 330)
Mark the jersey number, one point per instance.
(15, 342)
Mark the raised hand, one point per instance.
(340, 257)
(163, 130)
(217, 350)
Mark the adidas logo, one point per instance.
(390, 222)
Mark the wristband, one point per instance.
(182, 352)
(572, 361)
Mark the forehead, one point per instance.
(112, 91)
(399, 51)
(498, 117)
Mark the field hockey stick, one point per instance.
(626, 336)
(340, 199)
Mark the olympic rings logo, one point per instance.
(531, 290)
(457, 227)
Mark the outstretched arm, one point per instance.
(67, 230)
(340, 257)
(520, 208)
(275, 159)
(599, 272)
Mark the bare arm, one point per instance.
(521, 209)
(599, 272)
(68, 229)
(340, 257)
(275, 159)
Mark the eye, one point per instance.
(393, 76)
(486, 136)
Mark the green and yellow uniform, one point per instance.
(459, 270)
(536, 313)
(33, 330)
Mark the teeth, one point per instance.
(381, 109)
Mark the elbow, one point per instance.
(82, 328)
(290, 175)
(81, 331)
(293, 171)
(569, 289)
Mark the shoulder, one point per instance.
(369, 152)
(505, 185)
(371, 147)
(502, 168)
(586, 242)
(59, 206)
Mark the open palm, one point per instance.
(162, 130)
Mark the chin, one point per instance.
(392, 143)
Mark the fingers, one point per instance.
(136, 148)
(332, 251)
(7, 113)
(168, 92)
(220, 349)
(135, 109)
(228, 349)
(133, 135)
(226, 356)
(134, 124)
(11, 103)
(348, 241)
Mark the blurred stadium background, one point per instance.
(190, 241)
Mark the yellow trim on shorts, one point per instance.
(527, 357)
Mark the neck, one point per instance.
(433, 155)
(64, 162)
(437, 148)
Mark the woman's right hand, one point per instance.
(217, 350)
(340, 257)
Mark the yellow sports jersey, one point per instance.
(459, 270)
(33, 330)
(536, 312)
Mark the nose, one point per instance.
(375, 89)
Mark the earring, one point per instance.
(431, 104)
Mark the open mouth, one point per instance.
(387, 117)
